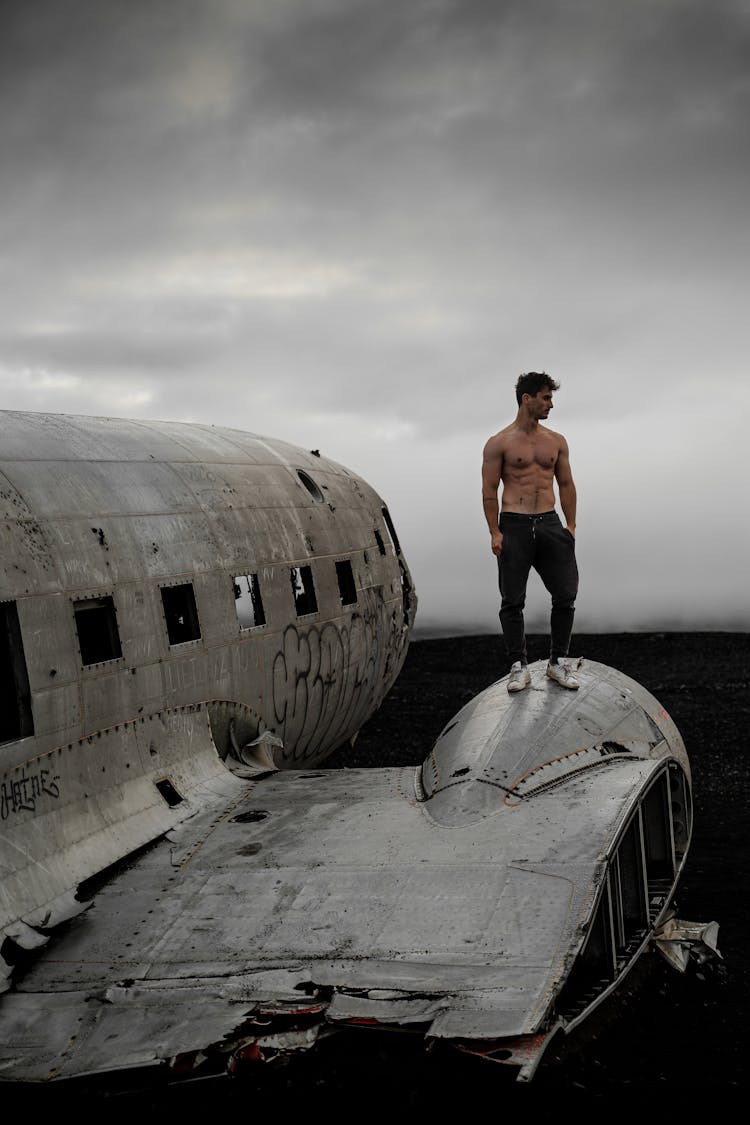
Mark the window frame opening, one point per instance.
(16, 718)
(248, 605)
(406, 593)
(681, 810)
(311, 487)
(168, 791)
(347, 585)
(630, 886)
(655, 809)
(180, 613)
(303, 590)
(99, 639)
(391, 530)
(639, 880)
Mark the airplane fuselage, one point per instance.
(149, 565)
(166, 590)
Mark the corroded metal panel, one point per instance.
(108, 507)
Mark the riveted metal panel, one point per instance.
(49, 640)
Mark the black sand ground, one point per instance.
(679, 1040)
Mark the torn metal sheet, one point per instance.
(395, 1009)
(678, 941)
(524, 1055)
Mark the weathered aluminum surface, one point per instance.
(441, 900)
(98, 803)
(505, 748)
(110, 508)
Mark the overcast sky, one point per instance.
(352, 223)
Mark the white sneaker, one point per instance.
(562, 675)
(520, 677)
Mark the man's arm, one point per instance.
(566, 487)
(492, 469)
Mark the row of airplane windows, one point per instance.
(99, 636)
(96, 621)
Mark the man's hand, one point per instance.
(572, 530)
(497, 543)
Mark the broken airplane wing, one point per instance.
(491, 898)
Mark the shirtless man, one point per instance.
(526, 457)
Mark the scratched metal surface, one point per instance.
(503, 747)
(344, 885)
(89, 804)
(111, 507)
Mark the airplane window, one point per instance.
(640, 877)
(391, 531)
(311, 487)
(379, 541)
(347, 589)
(406, 589)
(303, 589)
(681, 811)
(98, 637)
(657, 832)
(180, 613)
(15, 715)
(595, 966)
(630, 882)
(248, 602)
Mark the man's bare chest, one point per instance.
(528, 453)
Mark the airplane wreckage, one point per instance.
(192, 618)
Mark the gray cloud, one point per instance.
(365, 220)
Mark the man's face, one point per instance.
(540, 404)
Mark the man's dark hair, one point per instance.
(532, 383)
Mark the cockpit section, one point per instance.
(501, 751)
(640, 875)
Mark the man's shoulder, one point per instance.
(498, 440)
(561, 442)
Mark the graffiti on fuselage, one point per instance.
(325, 678)
(21, 794)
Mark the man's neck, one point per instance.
(526, 423)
